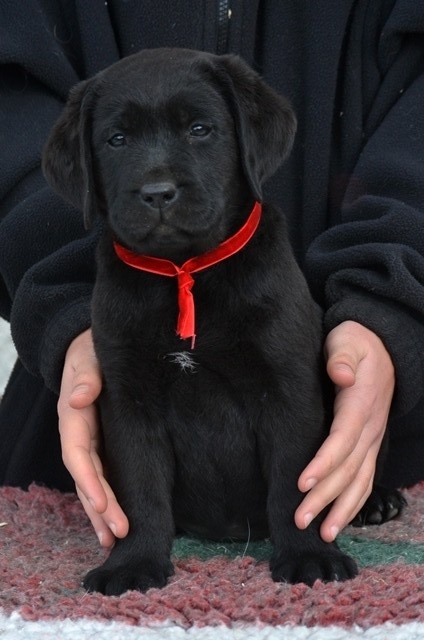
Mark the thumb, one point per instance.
(86, 378)
(343, 356)
(86, 386)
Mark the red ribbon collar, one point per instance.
(186, 324)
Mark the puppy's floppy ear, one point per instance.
(265, 121)
(67, 160)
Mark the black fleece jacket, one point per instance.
(352, 190)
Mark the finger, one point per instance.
(337, 447)
(95, 493)
(104, 534)
(348, 504)
(86, 379)
(86, 386)
(344, 349)
(77, 454)
(81, 380)
(109, 524)
(327, 490)
(346, 485)
(337, 463)
(341, 372)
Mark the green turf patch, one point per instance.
(366, 552)
(374, 552)
(186, 547)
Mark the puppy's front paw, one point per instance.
(382, 505)
(326, 565)
(139, 576)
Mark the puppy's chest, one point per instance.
(135, 320)
(238, 375)
(144, 309)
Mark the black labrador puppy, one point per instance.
(208, 339)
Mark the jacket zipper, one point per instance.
(224, 17)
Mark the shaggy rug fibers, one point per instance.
(47, 544)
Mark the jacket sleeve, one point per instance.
(46, 256)
(370, 266)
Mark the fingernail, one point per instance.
(308, 519)
(310, 483)
(334, 531)
(100, 537)
(112, 527)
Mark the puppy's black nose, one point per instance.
(159, 195)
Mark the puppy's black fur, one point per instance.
(172, 148)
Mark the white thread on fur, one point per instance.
(184, 359)
(248, 539)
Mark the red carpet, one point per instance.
(46, 546)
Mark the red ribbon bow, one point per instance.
(160, 266)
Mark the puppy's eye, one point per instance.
(200, 130)
(117, 140)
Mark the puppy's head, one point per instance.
(171, 145)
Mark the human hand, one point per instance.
(80, 439)
(343, 469)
